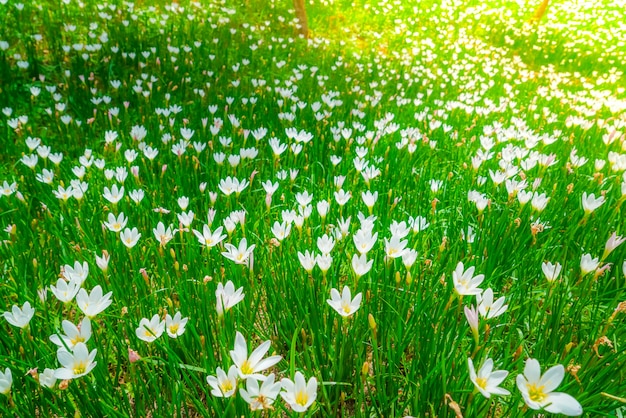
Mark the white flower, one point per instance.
(73, 335)
(487, 307)
(591, 203)
(116, 223)
(249, 367)
(300, 395)
(227, 297)
(209, 239)
(114, 194)
(162, 235)
(130, 237)
(465, 283)
(239, 254)
(360, 265)
(263, 397)
(47, 379)
(364, 240)
(77, 273)
(65, 291)
(150, 330)
(537, 390)
(588, 264)
(551, 271)
(94, 303)
(487, 380)
(75, 364)
(307, 260)
(175, 326)
(344, 304)
(6, 381)
(19, 317)
(223, 385)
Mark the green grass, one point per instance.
(420, 93)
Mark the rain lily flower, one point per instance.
(94, 303)
(281, 230)
(325, 244)
(486, 380)
(471, 314)
(150, 330)
(263, 397)
(551, 271)
(65, 291)
(223, 385)
(344, 304)
(249, 367)
(130, 237)
(162, 235)
(73, 334)
(487, 307)
(75, 363)
(591, 203)
(308, 260)
(465, 283)
(103, 262)
(538, 391)
(227, 297)
(613, 242)
(47, 379)
(6, 381)
(324, 261)
(300, 395)
(588, 264)
(239, 254)
(360, 265)
(78, 273)
(175, 326)
(20, 317)
(116, 223)
(209, 239)
(539, 201)
(364, 240)
(114, 194)
(395, 247)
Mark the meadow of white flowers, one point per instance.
(417, 211)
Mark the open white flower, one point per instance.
(263, 397)
(538, 391)
(486, 380)
(239, 254)
(249, 367)
(75, 363)
(94, 303)
(487, 307)
(591, 203)
(150, 330)
(344, 304)
(175, 326)
(65, 291)
(465, 283)
(73, 334)
(227, 297)
(223, 385)
(20, 317)
(47, 379)
(299, 394)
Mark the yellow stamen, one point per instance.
(536, 394)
